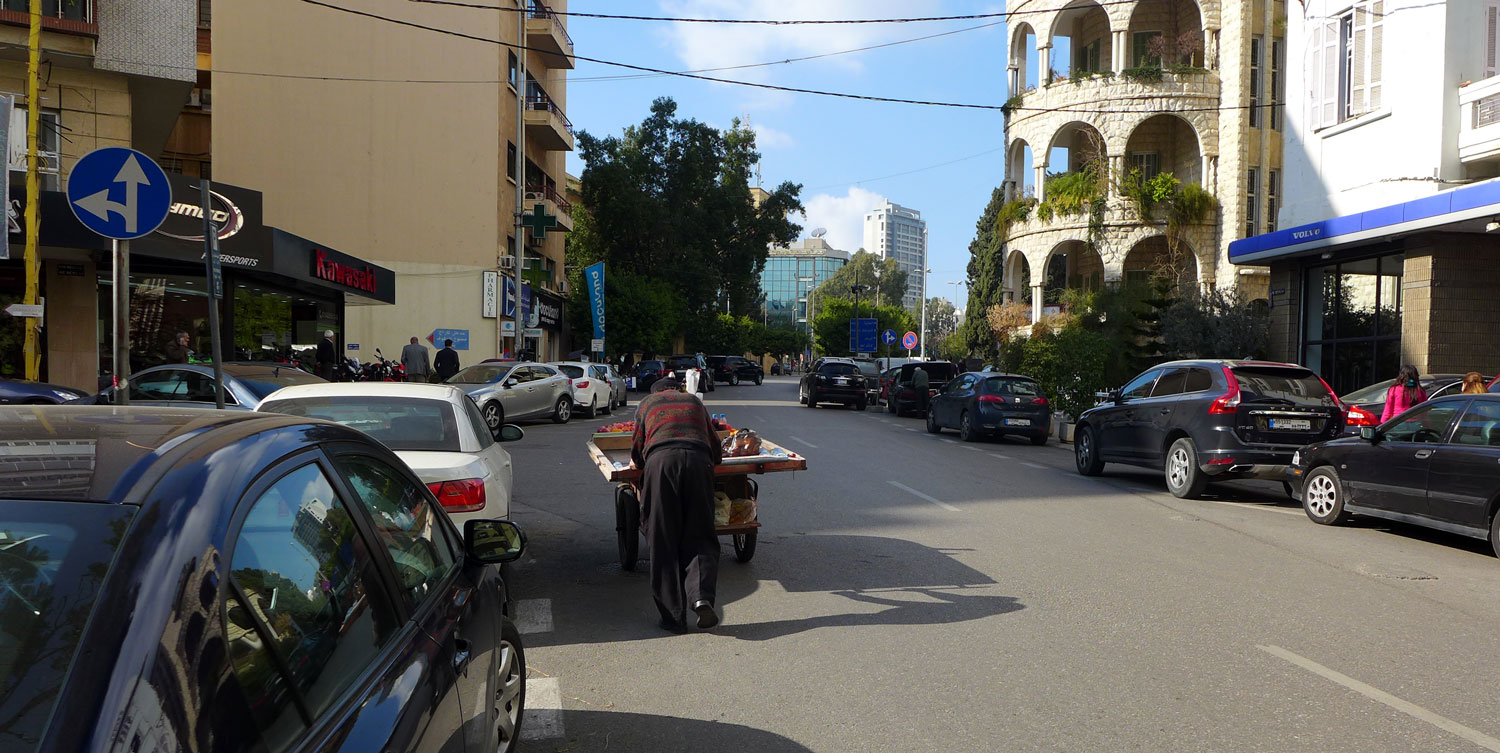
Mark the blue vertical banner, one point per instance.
(594, 278)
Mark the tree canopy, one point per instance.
(831, 325)
(861, 271)
(986, 278)
(667, 206)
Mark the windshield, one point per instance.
(262, 381)
(573, 372)
(648, 366)
(1017, 387)
(400, 423)
(838, 369)
(683, 363)
(1285, 386)
(480, 374)
(53, 559)
(868, 369)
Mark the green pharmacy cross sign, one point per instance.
(539, 221)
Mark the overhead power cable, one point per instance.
(754, 84)
(759, 21)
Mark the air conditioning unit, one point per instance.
(507, 262)
(195, 99)
(562, 286)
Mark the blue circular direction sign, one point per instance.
(888, 337)
(119, 193)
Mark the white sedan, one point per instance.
(435, 428)
(592, 391)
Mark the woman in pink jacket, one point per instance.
(1406, 392)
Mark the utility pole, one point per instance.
(520, 176)
(922, 351)
(33, 188)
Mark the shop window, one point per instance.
(1352, 312)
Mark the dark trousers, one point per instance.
(677, 486)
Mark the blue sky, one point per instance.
(841, 151)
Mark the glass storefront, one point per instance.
(274, 324)
(162, 305)
(13, 329)
(1352, 321)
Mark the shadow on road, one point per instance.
(648, 733)
(937, 608)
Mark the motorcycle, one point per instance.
(349, 370)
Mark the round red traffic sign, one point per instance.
(909, 340)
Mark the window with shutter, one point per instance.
(1278, 83)
(1357, 54)
(1377, 53)
(1315, 78)
(1328, 95)
(1252, 202)
(1255, 55)
(1491, 36)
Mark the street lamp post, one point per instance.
(923, 352)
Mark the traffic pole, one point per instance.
(31, 353)
(215, 283)
(121, 346)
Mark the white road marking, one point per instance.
(949, 441)
(972, 449)
(1252, 506)
(803, 441)
(1036, 465)
(998, 456)
(543, 718)
(534, 616)
(919, 495)
(910, 429)
(1376, 694)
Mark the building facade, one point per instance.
(790, 276)
(896, 232)
(413, 148)
(1391, 219)
(1129, 91)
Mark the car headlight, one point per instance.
(1297, 458)
(65, 395)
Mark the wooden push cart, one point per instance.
(611, 453)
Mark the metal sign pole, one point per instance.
(215, 284)
(122, 321)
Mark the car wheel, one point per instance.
(1086, 452)
(812, 399)
(744, 546)
(609, 404)
(890, 405)
(734, 380)
(860, 404)
(966, 430)
(1495, 535)
(1039, 439)
(593, 409)
(932, 424)
(510, 690)
(1185, 480)
(1323, 497)
(563, 410)
(759, 379)
(494, 417)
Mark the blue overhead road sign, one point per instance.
(119, 193)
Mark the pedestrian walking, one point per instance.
(178, 350)
(1474, 384)
(676, 448)
(328, 352)
(919, 384)
(446, 361)
(1406, 392)
(414, 360)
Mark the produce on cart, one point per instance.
(736, 499)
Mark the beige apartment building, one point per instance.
(400, 145)
(1179, 86)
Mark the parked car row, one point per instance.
(711, 370)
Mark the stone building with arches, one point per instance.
(1142, 87)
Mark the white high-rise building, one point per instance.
(895, 232)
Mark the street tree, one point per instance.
(669, 200)
(942, 319)
(831, 326)
(986, 278)
(861, 271)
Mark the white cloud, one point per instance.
(719, 45)
(767, 137)
(844, 216)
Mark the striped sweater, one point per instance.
(673, 419)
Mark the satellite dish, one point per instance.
(820, 232)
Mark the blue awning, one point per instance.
(1478, 201)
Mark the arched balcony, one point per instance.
(1163, 144)
(1083, 27)
(1166, 34)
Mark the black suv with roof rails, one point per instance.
(1206, 420)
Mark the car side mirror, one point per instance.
(510, 383)
(1370, 434)
(493, 542)
(511, 433)
(1108, 396)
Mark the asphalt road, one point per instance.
(917, 593)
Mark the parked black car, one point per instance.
(182, 579)
(1433, 466)
(246, 383)
(871, 369)
(1365, 405)
(833, 382)
(645, 374)
(36, 393)
(680, 365)
(981, 404)
(901, 398)
(735, 369)
(1209, 420)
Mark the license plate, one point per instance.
(841, 381)
(1291, 424)
(1017, 422)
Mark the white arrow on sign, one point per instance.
(25, 310)
(99, 205)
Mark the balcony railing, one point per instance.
(1479, 121)
(548, 193)
(540, 12)
(71, 16)
(538, 100)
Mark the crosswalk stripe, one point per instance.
(543, 719)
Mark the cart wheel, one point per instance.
(627, 526)
(744, 546)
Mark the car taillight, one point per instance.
(1039, 401)
(1229, 402)
(991, 399)
(463, 495)
(581, 384)
(1358, 416)
(908, 393)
